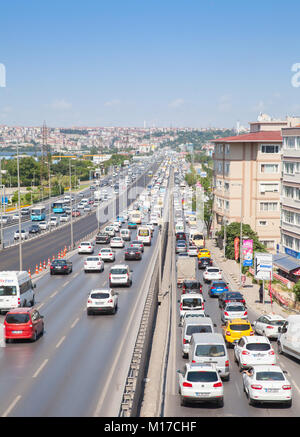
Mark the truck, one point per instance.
(186, 269)
(97, 195)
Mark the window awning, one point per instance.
(286, 262)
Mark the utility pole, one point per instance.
(72, 241)
(19, 201)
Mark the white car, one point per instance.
(54, 221)
(43, 225)
(200, 383)
(5, 219)
(80, 206)
(107, 254)
(192, 251)
(100, 301)
(212, 274)
(64, 218)
(233, 310)
(268, 325)
(110, 230)
(116, 226)
(93, 264)
(86, 247)
(120, 274)
(267, 384)
(154, 219)
(253, 350)
(15, 217)
(117, 242)
(24, 234)
(87, 208)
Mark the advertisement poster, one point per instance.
(236, 248)
(247, 252)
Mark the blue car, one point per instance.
(217, 287)
(120, 219)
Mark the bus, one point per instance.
(38, 213)
(136, 217)
(144, 235)
(58, 207)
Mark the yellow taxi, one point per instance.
(204, 253)
(236, 329)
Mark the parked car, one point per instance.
(268, 324)
(102, 301)
(23, 323)
(61, 266)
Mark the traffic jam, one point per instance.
(126, 236)
(211, 345)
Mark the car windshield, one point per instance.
(118, 271)
(17, 318)
(93, 258)
(233, 296)
(58, 262)
(260, 347)
(219, 284)
(195, 329)
(233, 308)
(276, 322)
(100, 295)
(192, 302)
(191, 284)
(269, 376)
(105, 251)
(213, 270)
(208, 350)
(198, 237)
(202, 376)
(85, 244)
(239, 327)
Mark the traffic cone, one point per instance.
(36, 270)
(44, 265)
(49, 263)
(41, 268)
(29, 273)
(53, 258)
(58, 255)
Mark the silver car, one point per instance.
(233, 310)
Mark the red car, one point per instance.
(76, 213)
(23, 323)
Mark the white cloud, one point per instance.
(176, 103)
(113, 102)
(60, 105)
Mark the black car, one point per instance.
(231, 296)
(133, 253)
(61, 266)
(191, 286)
(102, 239)
(34, 229)
(180, 236)
(138, 244)
(204, 262)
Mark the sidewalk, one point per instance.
(231, 273)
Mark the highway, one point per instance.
(79, 366)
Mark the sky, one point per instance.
(161, 63)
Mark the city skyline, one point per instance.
(192, 65)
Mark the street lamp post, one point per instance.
(72, 237)
(19, 202)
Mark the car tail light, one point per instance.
(180, 306)
(110, 301)
(286, 387)
(187, 384)
(109, 275)
(65, 267)
(90, 301)
(227, 363)
(272, 353)
(90, 247)
(226, 313)
(99, 263)
(270, 327)
(245, 313)
(19, 301)
(203, 305)
(85, 263)
(256, 386)
(218, 384)
(245, 353)
(110, 254)
(51, 267)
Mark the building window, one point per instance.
(227, 149)
(269, 244)
(269, 148)
(227, 168)
(288, 241)
(268, 206)
(290, 142)
(288, 217)
(227, 205)
(226, 186)
(269, 188)
(269, 168)
(288, 192)
(262, 223)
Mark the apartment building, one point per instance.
(290, 192)
(247, 177)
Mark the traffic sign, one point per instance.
(263, 263)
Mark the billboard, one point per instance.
(247, 252)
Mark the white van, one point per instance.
(194, 325)
(54, 221)
(289, 337)
(125, 234)
(144, 235)
(190, 302)
(16, 290)
(210, 348)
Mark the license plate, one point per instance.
(258, 355)
(17, 332)
(100, 302)
(201, 394)
(271, 390)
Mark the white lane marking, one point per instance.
(40, 368)
(75, 322)
(66, 283)
(12, 405)
(60, 341)
(54, 294)
(40, 306)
